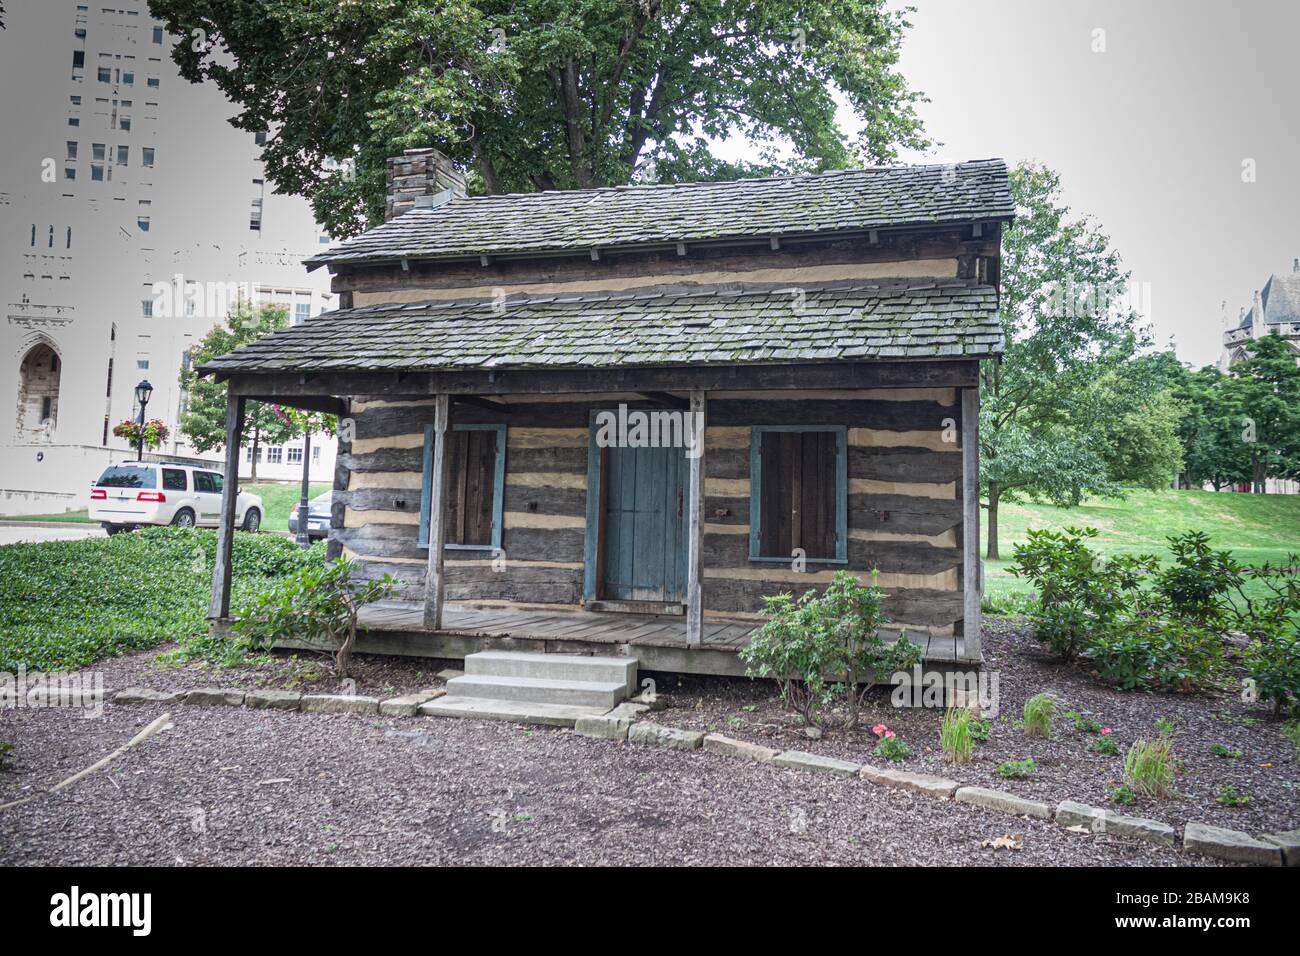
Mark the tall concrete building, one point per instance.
(132, 217)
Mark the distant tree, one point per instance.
(547, 94)
(1264, 388)
(1210, 431)
(1044, 421)
(204, 421)
(1141, 444)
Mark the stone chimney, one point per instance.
(1295, 265)
(1257, 330)
(421, 173)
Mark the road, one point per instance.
(50, 531)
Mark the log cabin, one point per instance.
(614, 420)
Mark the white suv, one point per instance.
(143, 492)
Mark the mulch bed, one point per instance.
(282, 788)
(257, 787)
(1268, 772)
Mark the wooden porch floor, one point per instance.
(658, 641)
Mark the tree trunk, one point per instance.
(253, 473)
(992, 554)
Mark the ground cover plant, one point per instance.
(65, 604)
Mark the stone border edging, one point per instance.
(622, 724)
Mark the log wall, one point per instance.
(904, 504)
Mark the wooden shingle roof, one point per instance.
(564, 221)
(893, 319)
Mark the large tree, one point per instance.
(204, 421)
(545, 94)
(1211, 431)
(1044, 418)
(1264, 389)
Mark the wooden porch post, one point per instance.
(972, 570)
(219, 611)
(435, 579)
(695, 524)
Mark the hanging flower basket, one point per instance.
(155, 432)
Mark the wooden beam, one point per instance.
(435, 580)
(487, 403)
(312, 403)
(695, 522)
(972, 570)
(664, 398)
(941, 373)
(219, 609)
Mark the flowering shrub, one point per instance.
(889, 747)
(155, 432)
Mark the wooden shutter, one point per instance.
(797, 506)
(471, 487)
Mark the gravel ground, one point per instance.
(259, 787)
(1268, 771)
(263, 787)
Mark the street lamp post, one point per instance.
(142, 393)
(304, 505)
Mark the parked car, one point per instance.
(137, 493)
(318, 516)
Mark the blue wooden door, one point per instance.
(644, 524)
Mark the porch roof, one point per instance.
(899, 319)
(564, 221)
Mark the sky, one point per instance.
(1149, 136)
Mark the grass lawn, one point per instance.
(65, 604)
(1256, 528)
(278, 500)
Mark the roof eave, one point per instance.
(565, 252)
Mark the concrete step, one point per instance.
(521, 712)
(564, 667)
(604, 695)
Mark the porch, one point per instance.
(658, 642)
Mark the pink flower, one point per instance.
(1105, 730)
(889, 733)
(879, 729)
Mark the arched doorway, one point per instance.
(38, 392)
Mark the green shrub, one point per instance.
(1146, 651)
(1273, 663)
(1149, 767)
(956, 739)
(1039, 712)
(1218, 750)
(317, 604)
(1229, 797)
(1082, 724)
(808, 644)
(65, 604)
(1106, 745)
(1015, 769)
(1121, 795)
(1078, 593)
